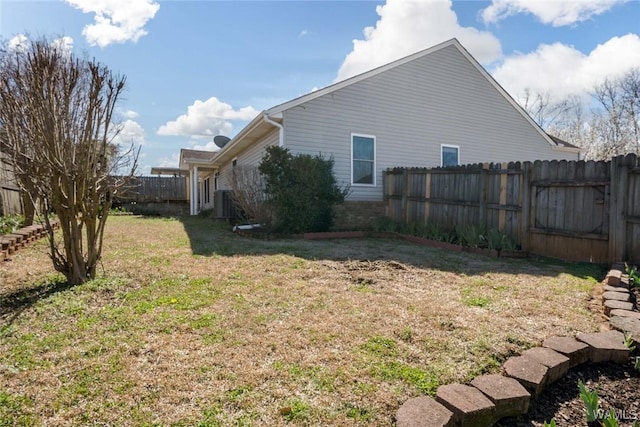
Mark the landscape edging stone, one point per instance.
(574, 347)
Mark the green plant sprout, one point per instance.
(590, 399)
(629, 342)
(634, 276)
(552, 423)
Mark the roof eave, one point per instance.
(567, 149)
(236, 140)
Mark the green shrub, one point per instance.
(384, 223)
(301, 190)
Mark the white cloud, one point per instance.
(408, 26)
(554, 12)
(63, 44)
(130, 133)
(303, 33)
(560, 70)
(116, 21)
(209, 146)
(130, 114)
(18, 43)
(169, 162)
(207, 119)
(21, 42)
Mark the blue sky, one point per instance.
(200, 68)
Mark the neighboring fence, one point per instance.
(574, 210)
(10, 200)
(155, 189)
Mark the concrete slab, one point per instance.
(607, 346)
(576, 351)
(469, 406)
(557, 363)
(532, 375)
(617, 296)
(612, 304)
(423, 411)
(507, 394)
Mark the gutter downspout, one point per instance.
(268, 119)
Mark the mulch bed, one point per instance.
(618, 389)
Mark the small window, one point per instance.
(450, 155)
(363, 157)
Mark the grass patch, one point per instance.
(16, 410)
(191, 325)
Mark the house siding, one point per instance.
(250, 157)
(412, 110)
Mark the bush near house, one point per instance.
(301, 190)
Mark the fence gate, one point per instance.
(569, 210)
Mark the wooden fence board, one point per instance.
(156, 188)
(588, 211)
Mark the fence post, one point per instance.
(405, 194)
(502, 213)
(525, 205)
(617, 223)
(484, 181)
(427, 196)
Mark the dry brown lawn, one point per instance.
(192, 325)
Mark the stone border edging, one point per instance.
(491, 397)
(12, 242)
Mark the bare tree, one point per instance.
(610, 128)
(56, 128)
(542, 109)
(248, 192)
(630, 84)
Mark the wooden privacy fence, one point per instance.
(155, 189)
(10, 198)
(573, 210)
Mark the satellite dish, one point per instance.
(221, 140)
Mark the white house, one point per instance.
(435, 107)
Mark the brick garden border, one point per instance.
(489, 398)
(12, 242)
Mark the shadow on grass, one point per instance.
(14, 303)
(210, 237)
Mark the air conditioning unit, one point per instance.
(223, 204)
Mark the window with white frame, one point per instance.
(450, 155)
(363, 159)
